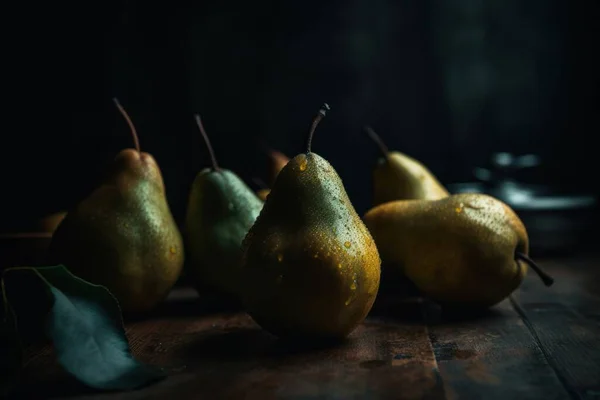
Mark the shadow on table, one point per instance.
(60, 386)
(418, 310)
(252, 345)
(186, 302)
(400, 300)
(438, 315)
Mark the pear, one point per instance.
(263, 193)
(263, 190)
(50, 222)
(220, 211)
(464, 249)
(398, 176)
(123, 236)
(277, 160)
(311, 268)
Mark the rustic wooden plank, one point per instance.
(490, 356)
(226, 355)
(565, 321)
(576, 283)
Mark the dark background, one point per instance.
(448, 82)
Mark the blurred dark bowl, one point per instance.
(557, 223)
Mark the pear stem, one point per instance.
(136, 141)
(207, 141)
(322, 112)
(377, 139)
(547, 279)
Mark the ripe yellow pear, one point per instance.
(468, 249)
(263, 190)
(263, 193)
(50, 222)
(311, 267)
(398, 176)
(277, 160)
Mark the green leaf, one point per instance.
(86, 328)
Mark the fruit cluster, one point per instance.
(297, 254)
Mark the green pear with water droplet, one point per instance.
(311, 268)
(221, 209)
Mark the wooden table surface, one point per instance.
(541, 343)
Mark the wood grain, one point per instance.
(542, 345)
(565, 323)
(226, 355)
(490, 356)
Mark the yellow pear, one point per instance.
(263, 193)
(277, 160)
(468, 249)
(311, 268)
(398, 176)
(50, 222)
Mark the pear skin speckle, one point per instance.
(459, 249)
(400, 177)
(123, 236)
(221, 209)
(327, 290)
